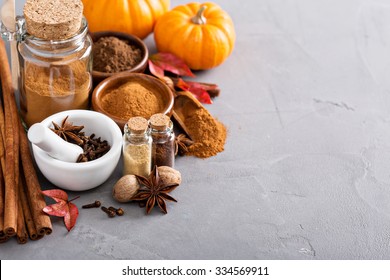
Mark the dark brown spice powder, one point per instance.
(112, 55)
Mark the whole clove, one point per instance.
(93, 148)
(95, 204)
(118, 211)
(109, 212)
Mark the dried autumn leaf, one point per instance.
(63, 208)
(59, 209)
(197, 89)
(71, 216)
(160, 62)
(57, 195)
(155, 70)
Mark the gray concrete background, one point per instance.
(306, 170)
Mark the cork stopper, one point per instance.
(53, 19)
(159, 121)
(137, 125)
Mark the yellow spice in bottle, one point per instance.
(137, 160)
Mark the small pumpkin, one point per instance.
(201, 34)
(136, 17)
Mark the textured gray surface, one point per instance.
(306, 170)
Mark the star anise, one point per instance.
(68, 131)
(182, 142)
(153, 192)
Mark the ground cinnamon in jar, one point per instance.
(131, 100)
(111, 54)
(55, 88)
(209, 135)
(55, 61)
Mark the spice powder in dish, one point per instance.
(131, 100)
(113, 55)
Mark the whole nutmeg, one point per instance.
(125, 188)
(168, 175)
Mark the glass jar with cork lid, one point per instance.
(163, 147)
(54, 58)
(137, 147)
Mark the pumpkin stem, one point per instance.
(199, 18)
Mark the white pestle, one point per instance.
(52, 144)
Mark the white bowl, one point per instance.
(86, 175)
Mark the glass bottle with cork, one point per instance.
(137, 147)
(54, 59)
(163, 147)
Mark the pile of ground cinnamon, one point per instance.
(208, 134)
(131, 100)
(111, 55)
(55, 88)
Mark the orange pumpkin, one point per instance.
(201, 34)
(136, 17)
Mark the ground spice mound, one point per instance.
(111, 55)
(52, 89)
(57, 80)
(208, 134)
(131, 100)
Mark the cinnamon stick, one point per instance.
(21, 233)
(2, 138)
(4, 239)
(213, 92)
(2, 168)
(34, 194)
(31, 229)
(2, 234)
(11, 193)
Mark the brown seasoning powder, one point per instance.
(208, 134)
(112, 55)
(163, 147)
(52, 89)
(131, 100)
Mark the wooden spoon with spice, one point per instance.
(185, 105)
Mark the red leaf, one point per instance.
(155, 70)
(71, 217)
(170, 63)
(63, 208)
(57, 195)
(198, 90)
(59, 209)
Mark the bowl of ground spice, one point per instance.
(115, 52)
(128, 95)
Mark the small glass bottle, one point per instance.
(137, 147)
(163, 148)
